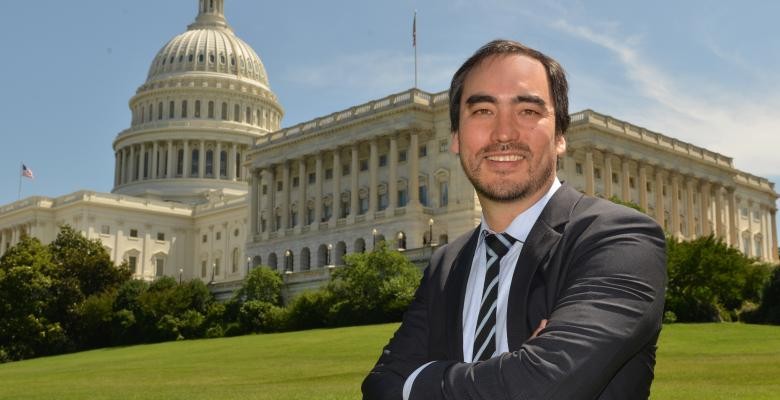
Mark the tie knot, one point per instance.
(499, 243)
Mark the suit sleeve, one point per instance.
(609, 307)
(406, 351)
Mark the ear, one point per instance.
(560, 145)
(454, 143)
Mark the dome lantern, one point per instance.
(211, 14)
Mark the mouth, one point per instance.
(505, 157)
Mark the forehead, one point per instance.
(507, 75)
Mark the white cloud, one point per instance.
(739, 125)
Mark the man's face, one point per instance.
(507, 142)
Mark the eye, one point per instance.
(529, 112)
(482, 111)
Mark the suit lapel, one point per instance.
(541, 241)
(455, 290)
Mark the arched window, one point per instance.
(189, 58)
(146, 164)
(200, 58)
(224, 111)
(322, 256)
(305, 259)
(211, 109)
(401, 243)
(360, 245)
(151, 112)
(209, 163)
(236, 113)
(170, 109)
(197, 109)
(238, 165)
(248, 116)
(256, 261)
(223, 164)
(289, 260)
(184, 108)
(272, 261)
(159, 110)
(194, 163)
(341, 250)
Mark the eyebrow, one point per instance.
(484, 98)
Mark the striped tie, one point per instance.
(485, 338)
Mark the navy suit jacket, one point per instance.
(596, 270)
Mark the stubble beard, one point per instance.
(506, 190)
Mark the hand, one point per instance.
(542, 325)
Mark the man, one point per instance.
(555, 295)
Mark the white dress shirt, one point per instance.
(518, 229)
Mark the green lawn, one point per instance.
(705, 361)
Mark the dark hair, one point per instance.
(556, 77)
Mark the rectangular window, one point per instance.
(132, 261)
(133, 233)
(746, 246)
(402, 156)
(597, 173)
(218, 236)
(649, 188)
(423, 191)
(578, 168)
(756, 216)
(216, 266)
(345, 169)
(614, 178)
(313, 177)
(105, 229)
(383, 160)
(631, 183)
(265, 189)
(759, 249)
(204, 238)
(160, 236)
(444, 145)
(295, 181)
(203, 269)
(364, 165)
(327, 212)
(443, 194)
(744, 212)
(328, 174)
(363, 205)
(423, 151)
(382, 201)
(159, 265)
(402, 198)
(279, 186)
(344, 208)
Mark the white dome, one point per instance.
(209, 45)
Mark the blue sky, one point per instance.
(704, 72)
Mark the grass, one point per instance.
(695, 361)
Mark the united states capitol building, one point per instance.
(207, 185)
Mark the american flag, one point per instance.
(27, 173)
(414, 30)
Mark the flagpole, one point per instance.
(19, 194)
(414, 43)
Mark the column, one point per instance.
(413, 160)
(218, 163)
(676, 206)
(255, 181)
(766, 233)
(285, 194)
(318, 178)
(392, 179)
(689, 211)
(117, 166)
(719, 226)
(132, 168)
(302, 183)
(185, 172)
(704, 209)
(336, 185)
(125, 165)
(626, 177)
(2, 242)
(271, 200)
(169, 167)
(643, 187)
(153, 172)
(733, 227)
(607, 175)
(590, 182)
(202, 160)
(232, 163)
(659, 197)
(140, 166)
(774, 234)
(373, 185)
(353, 175)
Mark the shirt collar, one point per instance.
(523, 222)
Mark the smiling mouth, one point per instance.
(506, 157)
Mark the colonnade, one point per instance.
(271, 205)
(686, 205)
(178, 159)
(10, 236)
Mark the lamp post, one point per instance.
(430, 232)
(373, 236)
(329, 255)
(248, 264)
(181, 271)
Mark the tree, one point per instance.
(373, 287)
(262, 284)
(710, 281)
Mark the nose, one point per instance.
(506, 128)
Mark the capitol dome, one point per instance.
(209, 45)
(205, 102)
